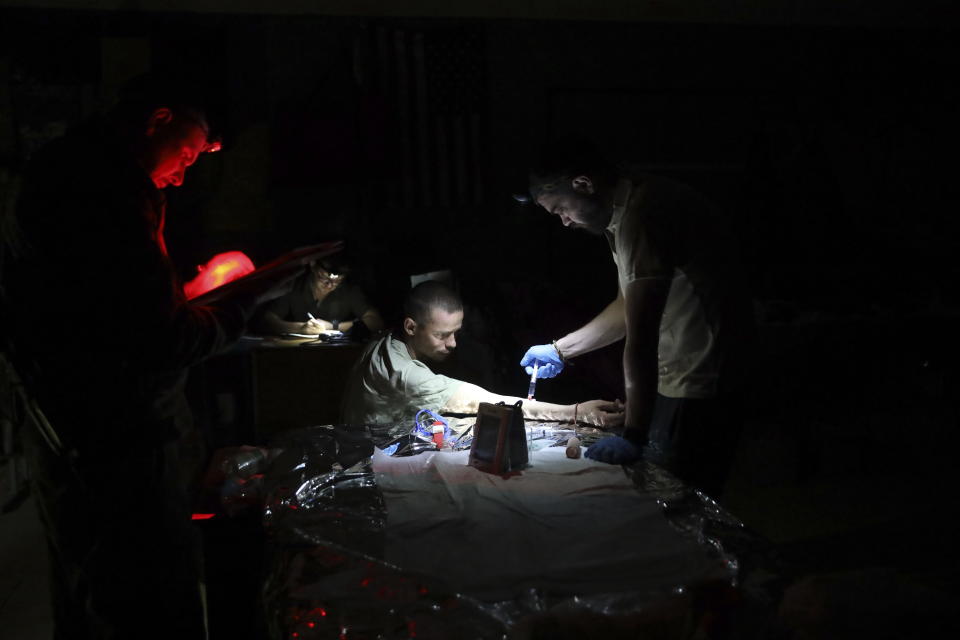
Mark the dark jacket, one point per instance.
(109, 370)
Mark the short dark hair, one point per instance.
(562, 159)
(429, 295)
(337, 263)
(189, 98)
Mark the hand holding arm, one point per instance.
(601, 413)
(614, 450)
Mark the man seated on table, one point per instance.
(321, 300)
(392, 380)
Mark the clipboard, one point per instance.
(288, 263)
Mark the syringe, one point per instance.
(533, 381)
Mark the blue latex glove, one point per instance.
(613, 450)
(547, 356)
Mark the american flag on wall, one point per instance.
(433, 81)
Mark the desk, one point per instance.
(299, 383)
(267, 385)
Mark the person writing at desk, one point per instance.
(392, 380)
(322, 299)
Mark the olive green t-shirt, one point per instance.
(387, 386)
(665, 230)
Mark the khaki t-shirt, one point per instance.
(387, 386)
(662, 229)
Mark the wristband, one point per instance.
(559, 353)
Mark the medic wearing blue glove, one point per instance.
(681, 310)
(614, 450)
(547, 356)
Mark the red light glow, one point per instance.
(202, 516)
(220, 269)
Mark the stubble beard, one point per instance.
(594, 215)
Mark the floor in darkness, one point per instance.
(24, 605)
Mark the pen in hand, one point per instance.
(313, 319)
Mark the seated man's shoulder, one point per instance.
(387, 354)
(389, 358)
(400, 359)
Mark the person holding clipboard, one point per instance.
(108, 474)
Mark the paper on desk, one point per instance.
(564, 526)
(328, 332)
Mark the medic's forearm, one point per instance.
(640, 378)
(606, 328)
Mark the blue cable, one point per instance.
(425, 431)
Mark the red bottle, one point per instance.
(438, 433)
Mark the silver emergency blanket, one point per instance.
(562, 526)
(365, 545)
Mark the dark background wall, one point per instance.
(824, 143)
(826, 131)
(826, 135)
